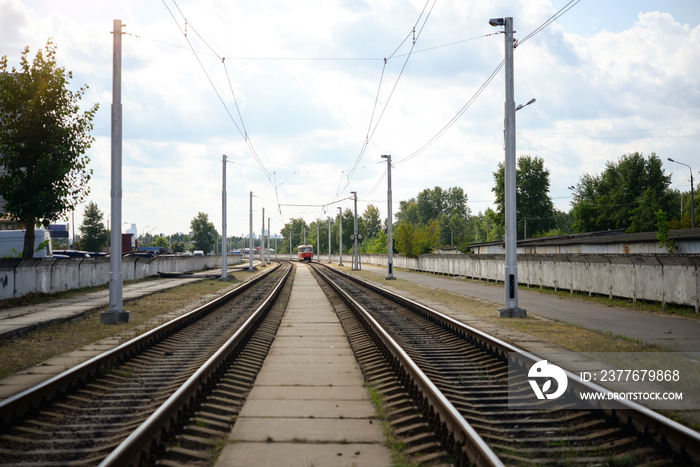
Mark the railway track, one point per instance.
(465, 393)
(125, 406)
(172, 395)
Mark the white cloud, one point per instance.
(599, 95)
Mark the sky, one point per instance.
(305, 97)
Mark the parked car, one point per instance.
(72, 253)
(198, 253)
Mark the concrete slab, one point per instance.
(305, 455)
(302, 393)
(310, 408)
(309, 405)
(301, 374)
(323, 430)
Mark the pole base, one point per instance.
(512, 313)
(389, 278)
(115, 317)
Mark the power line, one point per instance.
(556, 16)
(454, 119)
(370, 133)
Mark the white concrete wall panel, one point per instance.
(7, 278)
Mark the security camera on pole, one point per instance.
(511, 309)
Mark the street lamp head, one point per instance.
(671, 160)
(497, 22)
(531, 101)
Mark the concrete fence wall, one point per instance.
(665, 278)
(49, 275)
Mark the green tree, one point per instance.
(430, 204)
(44, 138)
(662, 228)
(404, 238)
(447, 207)
(160, 242)
(408, 212)
(203, 232)
(379, 245)
(532, 196)
(178, 247)
(627, 195)
(372, 222)
(294, 230)
(414, 241)
(93, 233)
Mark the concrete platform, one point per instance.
(309, 405)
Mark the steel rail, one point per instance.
(683, 439)
(14, 408)
(135, 448)
(476, 449)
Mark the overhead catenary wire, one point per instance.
(454, 119)
(549, 21)
(371, 131)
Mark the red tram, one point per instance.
(305, 252)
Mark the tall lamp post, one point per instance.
(511, 309)
(390, 223)
(692, 194)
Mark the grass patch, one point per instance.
(397, 447)
(40, 345)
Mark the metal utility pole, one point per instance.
(511, 309)
(329, 240)
(340, 236)
(692, 194)
(318, 239)
(116, 313)
(390, 223)
(268, 241)
(224, 247)
(250, 237)
(355, 247)
(262, 241)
